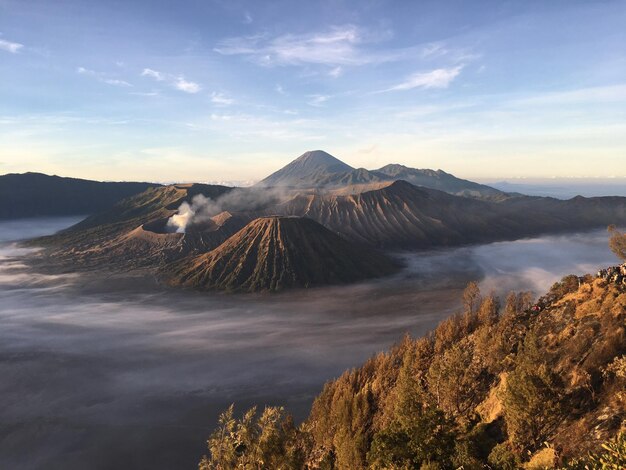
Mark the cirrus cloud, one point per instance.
(318, 100)
(220, 99)
(176, 81)
(153, 74)
(438, 78)
(102, 77)
(336, 46)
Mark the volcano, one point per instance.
(275, 253)
(312, 169)
(319, 170)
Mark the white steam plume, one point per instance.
(203, 208)
(200, 209)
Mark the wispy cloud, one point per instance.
(84, 71)
(338, 45)
(336, 72)
(186, 86)
(176, 81)
(247, 18)
(318, 100)
(434, 49)
(12, 47)
(116, 82)
(153, 74)
(145, 93)
(220, 99)
(102, 77)
(438, 78)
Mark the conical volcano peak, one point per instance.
(278, 252)
(318, 159)
(311, 169)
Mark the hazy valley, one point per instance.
(194, 353)
(132, 281)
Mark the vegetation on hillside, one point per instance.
(518, 384)
(617, 242)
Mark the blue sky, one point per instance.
(232, 90)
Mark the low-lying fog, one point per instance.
(117, 373)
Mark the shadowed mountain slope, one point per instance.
(274, 253)
(37, 195)
(397, 215)
(440, 180)
(153, 244)
(133, 230)
(401, 215)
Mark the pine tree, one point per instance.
(532, 398)
(419, 433)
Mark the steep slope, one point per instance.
(132, 231)
(503, 383)
(36, 195)
(274, 253)
(399, 215)
(535, 384)
(308, 170)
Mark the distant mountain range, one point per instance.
(40, 195)
(278, 235)
(320, 170)
(37, 195)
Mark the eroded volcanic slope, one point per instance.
(131, 232)
(402, 215)
(274, 253)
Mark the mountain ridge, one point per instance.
(34, 194)
(318, 169)
(398, 215)
(402, 215)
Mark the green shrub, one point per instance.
(503, 458)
